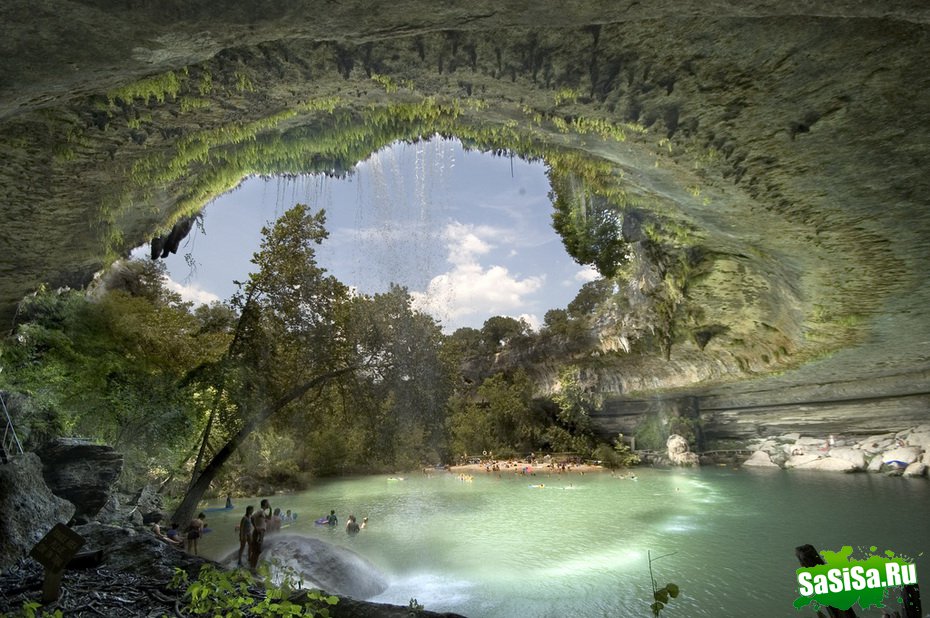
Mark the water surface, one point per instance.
(576, 545)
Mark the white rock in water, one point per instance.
(916, 469)
(760, 459)
(876, 464)
(905, 454)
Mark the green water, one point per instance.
(497, 547)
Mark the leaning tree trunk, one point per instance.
(199, 485)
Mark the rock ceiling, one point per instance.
(790, 139)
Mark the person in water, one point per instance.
(245, 533)
(352, 526)
(331, 519)
(364, 523)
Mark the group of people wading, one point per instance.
(252, 529)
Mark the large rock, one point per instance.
(332, 568)
(852, 455)
(828, 464)
(917, 468)
(796, 461)
(139, 553)
(920, 439)
(28, 509)
(679, 452)
(81, 472)
(760, 459)
(905, 454)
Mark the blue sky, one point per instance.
(469, 234)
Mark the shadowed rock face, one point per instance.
(786, 141)
(81, 472)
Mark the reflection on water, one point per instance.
(577, 546)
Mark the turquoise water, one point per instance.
(497, 547)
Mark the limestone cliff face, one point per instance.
(785, 142)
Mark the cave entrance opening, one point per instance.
(468, 233)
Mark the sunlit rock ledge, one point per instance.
(785, 141)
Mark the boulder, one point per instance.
(828, 464)
(917, 468)
(790, 437)
(853, 455)
(796, 461)
(337, 570)
(138, 553)
(905, 454)
(81, 472)
(678, 452)
(808, 442)
(875, 465)
(29, 509)
(919, 439)
(760, 459)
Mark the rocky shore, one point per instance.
(123, 569)
(904, 453)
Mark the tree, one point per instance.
(290, 340)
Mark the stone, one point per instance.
(760, 459)
(918, 468)
(138, 553)
(800, 460)
(323, 565)
(852, 455)
(875, 465)
(920, 439)
(877, 446)
(904, 454)
(678, 452)
(29, 509)
(807, 441)
(790, 437)
(81, 472)
(828, 464)
(877, 438)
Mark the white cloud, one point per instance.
(191, 293)
(532, 319)
(470, 288)
(587, 274)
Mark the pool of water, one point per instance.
(576, 545)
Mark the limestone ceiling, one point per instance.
(791, 138)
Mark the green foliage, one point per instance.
(660, 596)
(575, 401)
(415, 608)
(237, 593)
(589, 223)
(158, 87)
(620, 456)
(111, 367)
(33, 609)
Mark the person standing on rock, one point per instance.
(245, 533)
(194, 532)
(259, 526)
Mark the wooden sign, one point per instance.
(53, 552)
